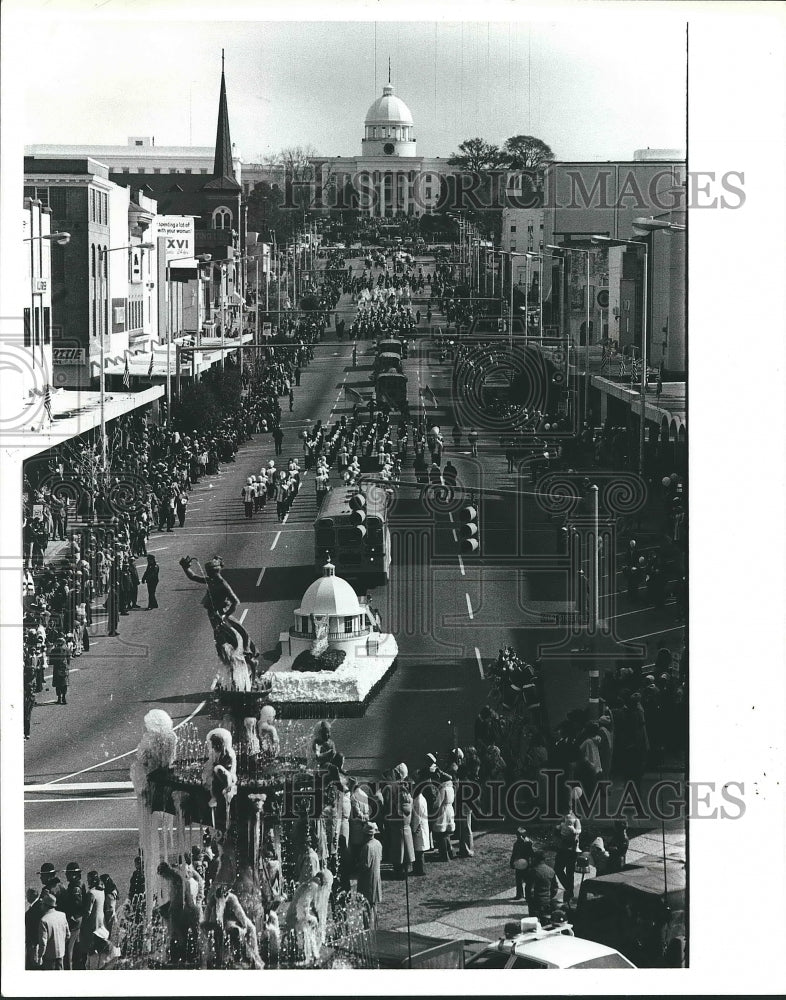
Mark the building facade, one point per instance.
(37, 296)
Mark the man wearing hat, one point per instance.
(73, 906)
(53, 934)
(370, 869)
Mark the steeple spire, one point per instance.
(388, 69)
(222, 165)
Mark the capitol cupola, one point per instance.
(390, 130)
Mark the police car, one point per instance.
(529, 945)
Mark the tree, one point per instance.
(477, 154)
(525, 152)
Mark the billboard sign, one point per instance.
(177, 233)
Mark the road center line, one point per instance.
(461, 566)
(469, 607)
(480, 663)
(275, 541)
(159, 549)
(242, 618)
(261, 574)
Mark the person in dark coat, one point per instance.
(60, 660)
(397, 813)
(543, 887)
(150, 577)
(113, 599)
(521, 863)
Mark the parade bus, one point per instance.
(352, 526)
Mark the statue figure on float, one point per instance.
(236, 650)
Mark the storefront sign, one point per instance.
(68, 355)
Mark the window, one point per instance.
(26, 321)
(222, 218)
(137, 142)
(92, 215)
(202, 170)
(349, 624)
(47, 325)
(428, 192)
(187, 170)
(156, 170)
(126, 170)
(513, 229)
(37, 326)
(141, 170)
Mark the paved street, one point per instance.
(450, 616)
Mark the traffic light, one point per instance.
(469, 532)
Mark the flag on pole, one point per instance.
(604, 359)
(150, 366)
(48, 402)
(126, 375)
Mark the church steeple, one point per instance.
(222, 165)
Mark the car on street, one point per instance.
(549, 947)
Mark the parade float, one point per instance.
(234, 828)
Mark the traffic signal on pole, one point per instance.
(469, 531)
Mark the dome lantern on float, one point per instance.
(329, 595)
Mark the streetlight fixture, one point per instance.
(60, 238)
(103, 253)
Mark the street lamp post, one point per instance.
(103, 254)
(587, 254)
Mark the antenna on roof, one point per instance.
(222, 60)
(388, 69)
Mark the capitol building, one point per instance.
(388, 177)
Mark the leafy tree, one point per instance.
(477, 154)
(525, 152)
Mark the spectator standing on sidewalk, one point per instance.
(180, 507)
(370, 870)
(472, 436)
(150, 577)
(53, 934)
(291, 399)
(568, 831)
(521, 862)
(544, 887)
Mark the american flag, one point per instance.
(150, 366)
(48, 401)
(635, 371)
(126, 376)
(604, 359)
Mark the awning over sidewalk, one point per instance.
(670, 406)
(74, 411)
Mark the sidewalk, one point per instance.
(473, 898)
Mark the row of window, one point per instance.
(37, 321)
(99, 207)
(389, 132)
(135, 314)
(160, 170)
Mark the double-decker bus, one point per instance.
(352, 525)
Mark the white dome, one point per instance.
(329, 595)
(389, 109)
